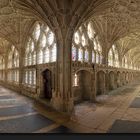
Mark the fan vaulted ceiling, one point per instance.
(116, 21)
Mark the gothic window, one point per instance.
(34, 57)
(80, 55)
(76, 38)
(34, 77)
(125, 62)
(90, 31)
(97, 58)
(43, 41)
(40, 57)
(83, 40)
(86, 56)
(46, 55)
(93, 57)
(73, 53)
(36, 32)
(41, 48)
(95, 45)
(50, 38)
(101, 58)
(13, 58)
(113, 57)
(110, 58)
(26, 77)
(53, 54)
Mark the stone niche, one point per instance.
(83, 90)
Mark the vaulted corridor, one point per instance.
(117, 112)
(69, 66)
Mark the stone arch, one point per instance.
(46, 80)
(118, 77)
(100, 83)
(123, 78)
(82, 91)
(127, 77)
(111, 81)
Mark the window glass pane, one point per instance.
(43, 41)
(86, 56)
(76, 38)
(73, 53)
(34, 58)
(50, 38)
(30, 77)
(40, 57)
(83, 40)
(46, 55)
(53, 58)
(90, 31)
(30, 59)
(36, 33)
(80, 55)
(97, 58)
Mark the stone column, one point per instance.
(107, 82)
(63, 98)
(93, 88)
(21, 64)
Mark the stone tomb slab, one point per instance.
(125, 126)
(135, 103)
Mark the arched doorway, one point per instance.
(84, 84)
(111, 80)
(47, 84)
(127, 78)
(118, 79)
(100, 83)
(123, 78)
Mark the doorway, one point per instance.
(100, 83)
(47, 84)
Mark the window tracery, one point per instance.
(86, 53)
(41, 48)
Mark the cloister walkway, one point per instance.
(117, 112)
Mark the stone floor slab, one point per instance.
(135, 103)
(125, 126)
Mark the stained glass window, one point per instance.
(83, 40)
(93, 57)
(80, 55)
(76, 38)
(97, 58)
(86, 56)
(73, 53)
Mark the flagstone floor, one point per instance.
(117, 112)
